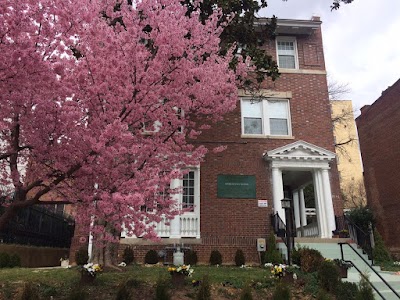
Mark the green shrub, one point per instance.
(246, 293)
(328, 276)
(346, 290)
(272, 255)
(362, 217)
(310, 260)
(81, 256)
(128, 255)
(29, 292)
(215, 258)
(162, 291)
(296, 252)
(311, 283)
(281, 292)
(190, 257)
(364, 290)
(381, 253)
(239, 258)
(123, 293)
(323, 295)
(204, 292)
(15, 260)
(4, 260)
(151, 257)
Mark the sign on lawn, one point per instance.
(236, 186)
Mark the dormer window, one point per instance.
(286, 48)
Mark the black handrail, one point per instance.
(279, 226)
(362, 238)
(383, 280)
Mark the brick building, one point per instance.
(381, 158)
(279, 140)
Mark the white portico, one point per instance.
(293, 167)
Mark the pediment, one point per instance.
(300, 150)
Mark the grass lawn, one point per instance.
(58, 283)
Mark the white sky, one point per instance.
(361, 42)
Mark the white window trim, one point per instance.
(265, 120)
(296, 53)
(196, 203)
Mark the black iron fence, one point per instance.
(362, 238)
(38, 226)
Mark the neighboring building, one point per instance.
(348, 153)
(379, 134)
(279, 140)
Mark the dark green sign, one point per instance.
(237, 186)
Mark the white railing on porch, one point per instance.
(310, 230)
(189, 227)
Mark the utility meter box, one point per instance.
(261, 245)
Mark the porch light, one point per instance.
(286, 203)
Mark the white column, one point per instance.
(277, 192)
(329, 212)
(175, 223)
(303, 217)
(296, 208)
(319, 203)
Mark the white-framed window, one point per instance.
(266, 117)
(189, 191)
(286, 52)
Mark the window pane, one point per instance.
(188, 191)
(252, 109)
(278, 109)
(253, 125)
(287, 61)
(278, 126)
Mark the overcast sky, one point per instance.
(361, 42)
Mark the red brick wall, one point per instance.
(379, 134)
(231, 224)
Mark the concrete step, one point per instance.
(329, 248)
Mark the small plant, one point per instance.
(215, 258)
(204, 290)
(381, 253)
(29, 292)
(92, 269)
(364, 290)
(151, 257)
(81, 257)
(123, 293)
(4, 260)
(310, 260)
(162, 292)
(328, 276)
(185, 270)
(346, 290)
(239, 258)
(296, 252)
(191, 258)
(272, 255)
(281, 292)
(246, 293)
(342, 263)
(15, 261)
(278, 270)
(128, 255)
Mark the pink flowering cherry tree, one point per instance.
(99, 103)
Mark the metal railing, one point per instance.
(370, 266)
(278, 225)
(39, 227)
(363, 239)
